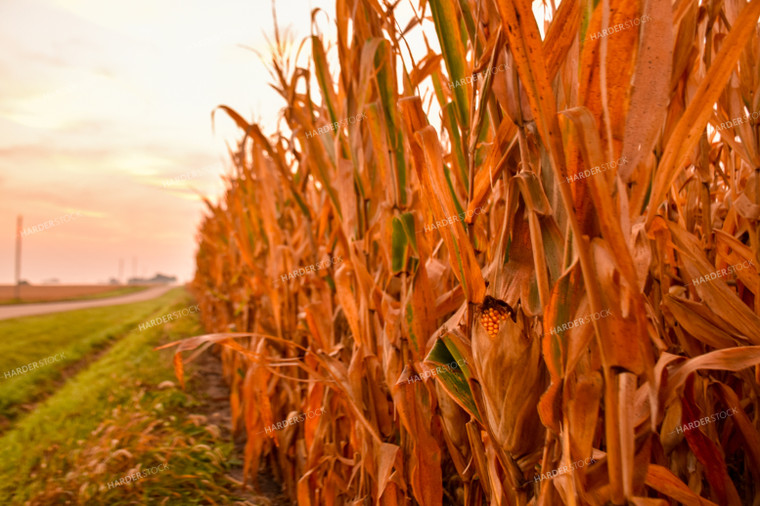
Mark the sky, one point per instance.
(105, 125)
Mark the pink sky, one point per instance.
(104, 101)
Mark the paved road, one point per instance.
(19, 310)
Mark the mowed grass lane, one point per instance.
(75, 334)
(119, 415)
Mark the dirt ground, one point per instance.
(267, 491)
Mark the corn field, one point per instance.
(525, 273)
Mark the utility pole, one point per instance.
(121, 271)
(19, 222)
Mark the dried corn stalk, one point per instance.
(520, 308)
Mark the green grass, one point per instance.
(116, 292)
(112, 418)
(76, 334)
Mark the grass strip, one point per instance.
(75, 334)
(121, 415)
